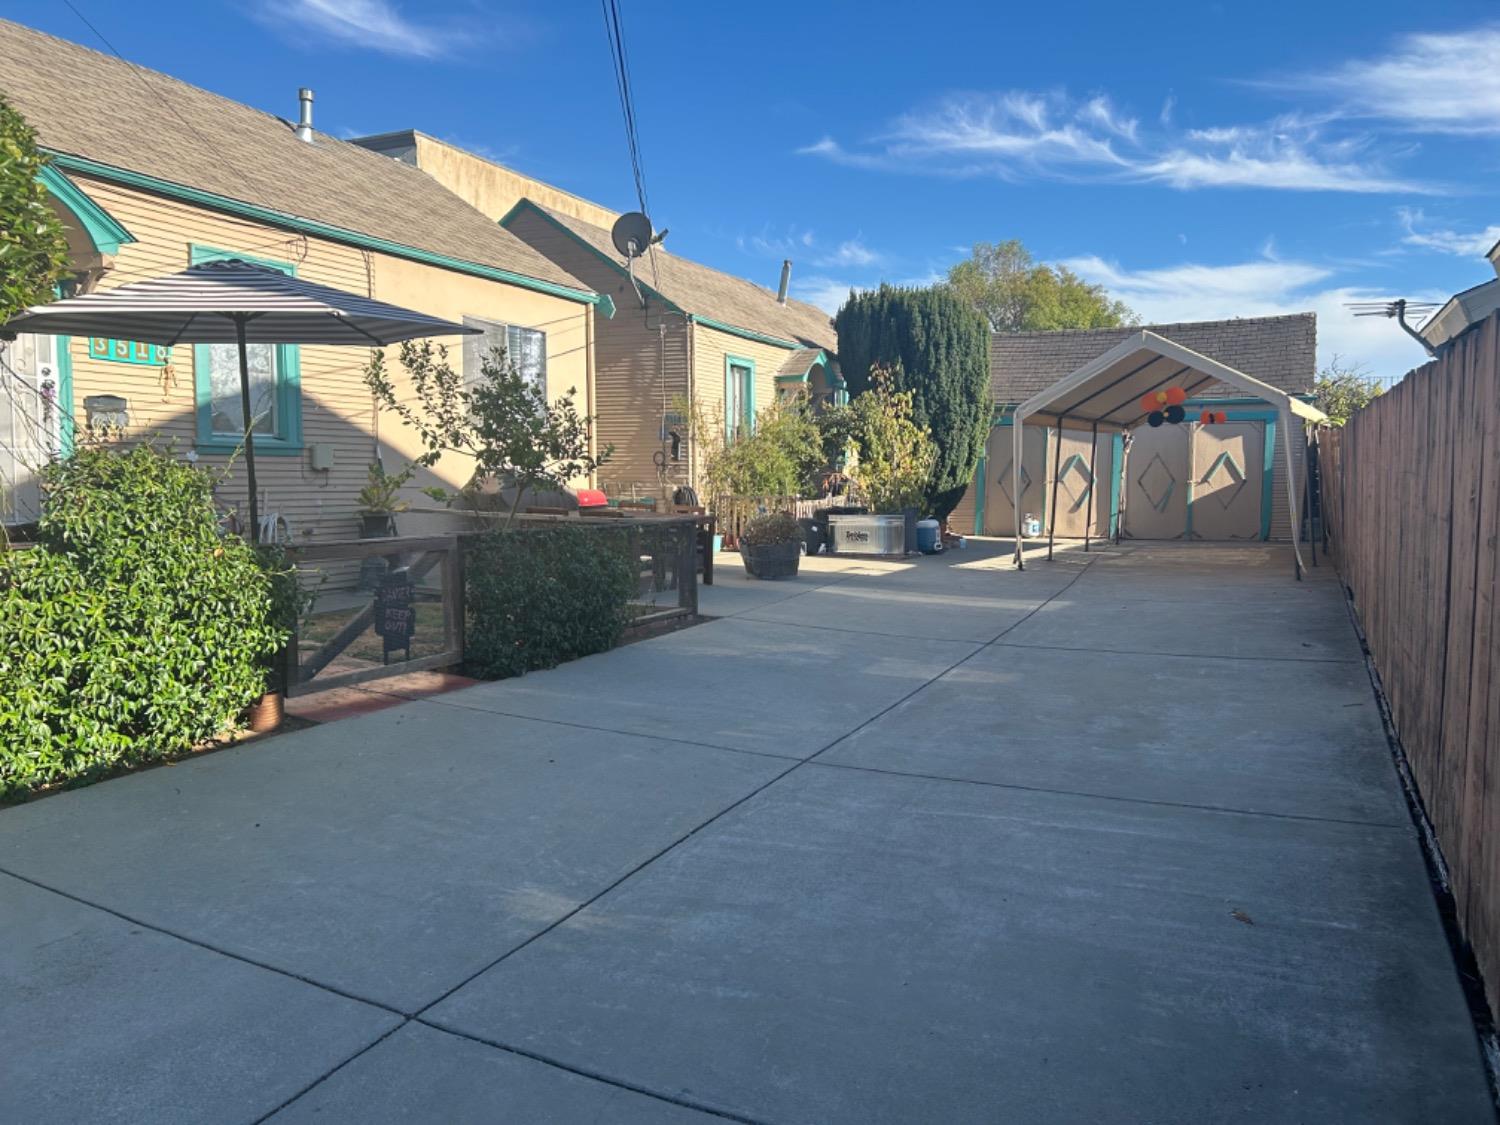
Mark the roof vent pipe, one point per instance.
(304, 120)
(786, 278)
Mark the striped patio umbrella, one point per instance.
(234, 302)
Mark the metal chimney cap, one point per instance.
(305, 118)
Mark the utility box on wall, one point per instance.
(320, 456)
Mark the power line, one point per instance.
(620, 56)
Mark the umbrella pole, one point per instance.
(239, 332)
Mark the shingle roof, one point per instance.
(798, 362)
(93, 105)
(1279, 350)
(706, 292)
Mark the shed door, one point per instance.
(1227, 464)
(1156, 470)
(1082, 489)
(999, 511)
(28, 423)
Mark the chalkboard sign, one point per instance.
(395, 615)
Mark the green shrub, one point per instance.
(537, 598)
(133, 630)
(768, 530)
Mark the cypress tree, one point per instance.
(938, 347)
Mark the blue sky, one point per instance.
(1200, 159)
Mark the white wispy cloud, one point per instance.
(1442, 82)
(850, 252)
(1266, 287)
(772, 243)
(1465, 244)
(374, 25)
(1017, 134)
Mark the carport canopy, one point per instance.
(1103, 396)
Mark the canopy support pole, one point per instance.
(1056, 469)
(239, 335)
(1088, 516)
(1291, 491)
(1123, 469)
(1016, 437)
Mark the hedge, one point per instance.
(134, 630)
(536, 598)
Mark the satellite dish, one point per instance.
(631, 234)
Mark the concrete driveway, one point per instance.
(1114, 839)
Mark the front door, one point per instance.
(29, 423)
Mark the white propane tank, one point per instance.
(1031, 527)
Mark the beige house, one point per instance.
(683, 331)
(151, 175)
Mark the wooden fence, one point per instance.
(1411, 490)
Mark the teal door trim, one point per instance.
(979, 495)
(65, 423)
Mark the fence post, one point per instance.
(686, 533)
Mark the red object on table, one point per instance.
(592, 498)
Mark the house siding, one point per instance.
(337, 408)
(711, 349)
(641, 364)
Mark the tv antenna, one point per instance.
(632, 236)
(1396, 310)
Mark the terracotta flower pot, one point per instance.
(267, 712)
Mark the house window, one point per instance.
(739, 396)
(525, 347)
(275, 384)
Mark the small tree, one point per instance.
(936, 347)
(893, 456)
(781, 455)
(33, 248)
(501, 419)
(1342, 388)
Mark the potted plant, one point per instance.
(289, 601)
(771, 546)
(379, 500)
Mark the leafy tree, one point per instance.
(893, 457)
(937, 348)
(781, 455)
(1017, 294)
(501, 419)
(33, 248)
(1342, 388)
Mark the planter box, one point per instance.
(774, 560)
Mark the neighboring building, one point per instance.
(1164, 464)
(151, 175)
(1465, 309)
(684, 331)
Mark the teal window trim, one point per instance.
(286, 443)
(65, 423)
(1267, 472)
(103, 229)
(979, 495)
(333, 233)
(731, 424)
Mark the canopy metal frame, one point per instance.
(1104, 395)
